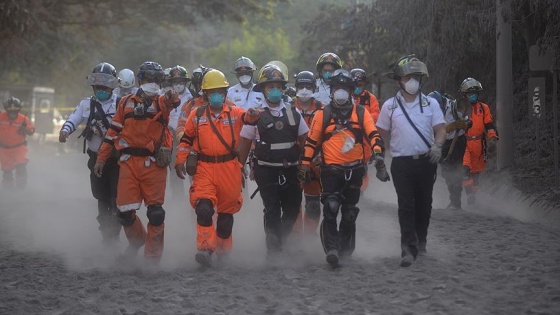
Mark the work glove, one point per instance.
(62, 136)
(181, 170)
(491, 145)
(303, 174)
(22, 130)
(435, 153)
(457, 125)
(98, 169)
(381, 170)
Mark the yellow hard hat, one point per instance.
(214, 79)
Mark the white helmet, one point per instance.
(127, 79)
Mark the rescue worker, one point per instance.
(242, 94)
(178, 78)
(139, 132)
(166, 82)
(326, 65)
(96, 112)
(338, 132)
(127, 83)
(308, 220)
(193, 103)
(196, 82)
(212, 133)
(481, 137)
(453, 150)
(415, 125)
(280, 134)
(14, 128)
(365, 98)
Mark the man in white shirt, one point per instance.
(281, 133)
(416, 127)
(242, 94)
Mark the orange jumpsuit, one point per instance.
(137, 138)
(369, 101)
(481, 130)
(13, 146)
(218, 175)
(312, 190)
(190, 105)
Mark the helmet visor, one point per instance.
(412, 67)
(102, 79)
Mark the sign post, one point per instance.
(537, 97)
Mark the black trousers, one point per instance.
(342, 186)
(414, 182)
(281, 194)
(452, 168)
(104, 189)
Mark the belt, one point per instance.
(347, 165)
(216, 159)
(412, 157)
(475, 138)
(287, 164)
(137, 151)
(5, 146)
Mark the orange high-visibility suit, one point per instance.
(217, 182)
(308, 221)
(341, 174)
(190, 105)
(369, 101)
(137, 131)
(13, 146)
(482, 129)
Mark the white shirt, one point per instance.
(176, 113)
(449, 119)
(81, 114)
(245, 98)
(252, 132)
(322, 92)
(405, 141)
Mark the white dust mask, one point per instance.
(341, 96)
(179, 88)
(412, 86)
(304, 94)
(245, 79)
(150, 89)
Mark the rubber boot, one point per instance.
(205, 237)
(224, 247)
(154, 243)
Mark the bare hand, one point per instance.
(98, 169)
(181, 170)
(62, 136)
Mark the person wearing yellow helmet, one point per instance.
(14, 128)
(326, 65)
(211, 135)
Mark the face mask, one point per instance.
(327, 75)
(216, 100)
(341, 96)
(179, 88)
(245, 79)
(102, 95)
(12, 115)
(473, 98)
(150, 89)
(358, 90)
(274, 95)
(304, 94)
(412, 86)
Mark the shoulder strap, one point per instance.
(326, 118)
(360, 111)
(229, 148)
(412, 124)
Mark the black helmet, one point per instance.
(305, 77)
(104, 74)
(408, 65)
(178, 73)
(331, 58)
(359, 74)
(150, 70)
(269, 73)
(12, 104)
(342, 77)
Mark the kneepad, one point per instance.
(350, 213)
(126, 218)
(331, 203)
(204, 211)
(313, 206)
(156, 215)
(224, 225)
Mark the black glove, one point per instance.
(381, 173)
(303, 174)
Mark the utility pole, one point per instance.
(504, 84)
